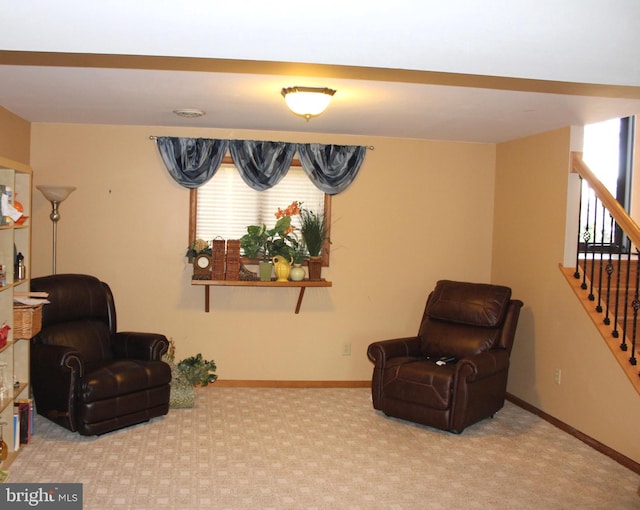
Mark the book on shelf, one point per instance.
(3, 205)
(25, 412)
(16, 430)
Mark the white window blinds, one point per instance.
(226, 205)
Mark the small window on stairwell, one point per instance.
(608, 151)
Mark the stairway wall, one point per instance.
(554, 332)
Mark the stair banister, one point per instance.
(616, 210)
(620, 310)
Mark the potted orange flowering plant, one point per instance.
(282, 239)
(279, 240)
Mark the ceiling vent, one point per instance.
(189, 113)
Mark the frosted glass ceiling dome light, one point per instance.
(307, 101)
(55, 195)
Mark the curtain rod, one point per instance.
(369, 147)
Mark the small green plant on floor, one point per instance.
(186, 375)
(197, 371)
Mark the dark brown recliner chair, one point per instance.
(473, 323)
(86, 376)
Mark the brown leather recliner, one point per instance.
(474, 324)
(86, 376)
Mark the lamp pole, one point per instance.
(54, 216)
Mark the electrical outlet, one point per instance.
(346, 349)
(557, 378)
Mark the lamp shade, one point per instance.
(56, 193)
(307, 101)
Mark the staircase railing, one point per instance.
(608, 267)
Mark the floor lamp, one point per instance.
(55, 195)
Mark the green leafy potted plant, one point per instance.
(313, 228)
(252, 243)
(259, 241)
(280, 240)
(186, 375)
(197, 371)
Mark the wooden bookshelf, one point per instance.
(14, 356)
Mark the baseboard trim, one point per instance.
(234, 383)
(593, 443)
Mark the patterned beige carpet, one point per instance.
(263, 448)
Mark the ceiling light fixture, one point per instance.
(189, 113)
(307, 101)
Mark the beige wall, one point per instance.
(554, 331)
(14, 137)
(419, 211)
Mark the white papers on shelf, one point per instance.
(9, 210)
(31, 298)
(29, 301)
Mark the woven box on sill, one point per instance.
(27, 320)
(233, 260)
(218, 254)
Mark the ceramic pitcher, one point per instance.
(282, 268)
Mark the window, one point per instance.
(225, 205)
(608, 148)
(608, 151)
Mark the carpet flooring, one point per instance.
(277, 448)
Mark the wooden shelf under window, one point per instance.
(272, 284)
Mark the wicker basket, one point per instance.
(27, 321)
(181, 395)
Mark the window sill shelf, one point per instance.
(302, 285)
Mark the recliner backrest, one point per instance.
(81, 315)
(462, 319)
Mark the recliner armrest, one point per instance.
(483, 365)
(143, 346)
(56, 370)
(56, 358)
(380, 352)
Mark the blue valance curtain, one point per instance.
(332, 168)
(262, 165)
(193, 161)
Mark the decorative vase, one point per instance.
(297, 273)
(265, 269)
(282, 268)
(20, 208)
(315, 268)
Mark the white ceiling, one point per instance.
(387, 60)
